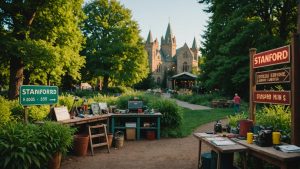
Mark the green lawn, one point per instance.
(195, 118)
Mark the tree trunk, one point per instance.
(105, 82)
(16, 77)
(48, 79)
(298, 27)
(26, 77)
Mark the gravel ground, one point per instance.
(180, 153)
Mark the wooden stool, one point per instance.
(98, 131)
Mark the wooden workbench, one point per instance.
(138, 119)
(219, 149)
(273, 156)
(86, 119)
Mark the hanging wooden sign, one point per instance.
(272, 57)
(273, 76)
(274, 97)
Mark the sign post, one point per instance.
(295, 90)
(264, 59)
(252, 86)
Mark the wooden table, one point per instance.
(219, 149)
(273, 156)
(138, 119)
(87, 119)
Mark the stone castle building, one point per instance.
(166, 61)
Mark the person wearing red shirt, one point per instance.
(236, 102)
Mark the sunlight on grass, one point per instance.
(195, 118)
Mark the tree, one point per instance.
(114, 49)
(234, 28)
(40, 38)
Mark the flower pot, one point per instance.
(81, 143)
(54, 163)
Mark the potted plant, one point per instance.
(59, 138)
(32, 145)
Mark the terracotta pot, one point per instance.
(110, 138)
(81, 143)
(54, 163)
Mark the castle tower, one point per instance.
(168, 44)
(152, 48)
(195, 49)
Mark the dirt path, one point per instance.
(186, 104)
(179, 153)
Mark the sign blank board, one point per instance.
(95, 108)
(61, 113)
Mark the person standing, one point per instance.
(236, 102)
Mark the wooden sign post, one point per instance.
(295, 106)
(278, 56)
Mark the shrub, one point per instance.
(171, 115)
(233, 120)
(110, 100)
(68, 100)
(276, 116)
(32, 146)
(5, 113)
(38, 113)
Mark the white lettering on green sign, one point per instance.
(38, 91)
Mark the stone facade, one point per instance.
(166, 60)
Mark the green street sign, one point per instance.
(38, 95)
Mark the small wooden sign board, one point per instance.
(61, 113)
(95, 108)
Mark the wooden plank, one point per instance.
(295, 89)
(270, 152)
(252, 86)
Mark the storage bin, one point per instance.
(206, 160)
(130, 134)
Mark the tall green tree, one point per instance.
(236, 26)
(40, 38)
(114, 49)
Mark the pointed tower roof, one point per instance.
(194, 44)
(149, 39)
(169, 34)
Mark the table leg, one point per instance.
(138, 127)
(219, 161)
(199, 155)
(158, 128)
(244, 158)
(113, 125)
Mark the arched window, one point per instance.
(185, 67)
(158, 80)
(158, 69)
(185, 55)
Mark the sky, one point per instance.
(186, 17)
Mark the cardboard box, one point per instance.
(130, 124)
(130, 134)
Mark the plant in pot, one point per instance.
(59, 139)
(32, 146)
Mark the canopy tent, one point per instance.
(183, 80)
